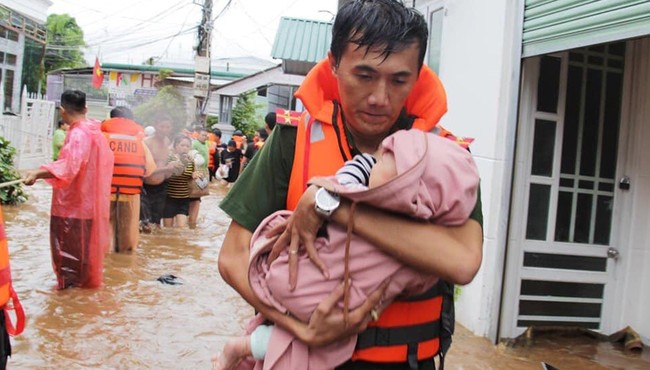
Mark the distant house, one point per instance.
(132, 84)
(19, 20)
(300, 44)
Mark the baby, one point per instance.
(417, 174)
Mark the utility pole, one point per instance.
(202, 61)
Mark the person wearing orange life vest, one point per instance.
(214, 139)
(372, 83)
(133, 161)
(7, 295)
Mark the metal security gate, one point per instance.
(30, 132)
(561, 264)
(554, 25)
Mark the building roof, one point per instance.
(271, 76)
(177, 72)
(302, 40)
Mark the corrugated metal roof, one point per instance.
(302, 40)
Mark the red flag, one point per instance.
(286, 116)
(462, 141)
(98, 75)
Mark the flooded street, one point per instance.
(136, 322)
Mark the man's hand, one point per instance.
(175, 167)
(300, 229)
(327, 325)
(30, 178)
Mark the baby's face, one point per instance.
(384, 170)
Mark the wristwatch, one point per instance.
(326, 202)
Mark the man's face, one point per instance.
(203, 136)
(373, 89)
(163, 128)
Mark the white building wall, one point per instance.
(633, 280)
(479, 68)
(35, 9)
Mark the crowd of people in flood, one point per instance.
(115, 179)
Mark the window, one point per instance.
(436, 18)
(6, 33)
(12, 35)
(11, 59)
(9, 88)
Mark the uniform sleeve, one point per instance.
(262, 187)
(477, 213)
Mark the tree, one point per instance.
(244, 115)
(12, 194)
(64, 42)
(169, 101)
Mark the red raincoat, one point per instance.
(80, 206)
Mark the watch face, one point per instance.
(326, 201)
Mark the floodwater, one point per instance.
(136, 322)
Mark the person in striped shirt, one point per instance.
(177, 204)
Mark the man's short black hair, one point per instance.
(270, 119)
(263, 134)
(74, 101)
(123, 112)
(387, 25)
(216, 132)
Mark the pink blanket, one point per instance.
(437, 181)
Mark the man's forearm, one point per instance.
(453, 253)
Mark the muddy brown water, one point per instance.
(135, 322)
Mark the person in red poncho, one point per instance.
(81, 182)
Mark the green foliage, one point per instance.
(244, 115)
(210, 121)
(164, 73)
(12, 194)
(167, 101)
(64, 42)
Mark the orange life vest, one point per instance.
(212, 148)
(6, 289)
(125, 140)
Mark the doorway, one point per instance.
(562, 250)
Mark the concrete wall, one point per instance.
(479, 68)
(633, 274)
